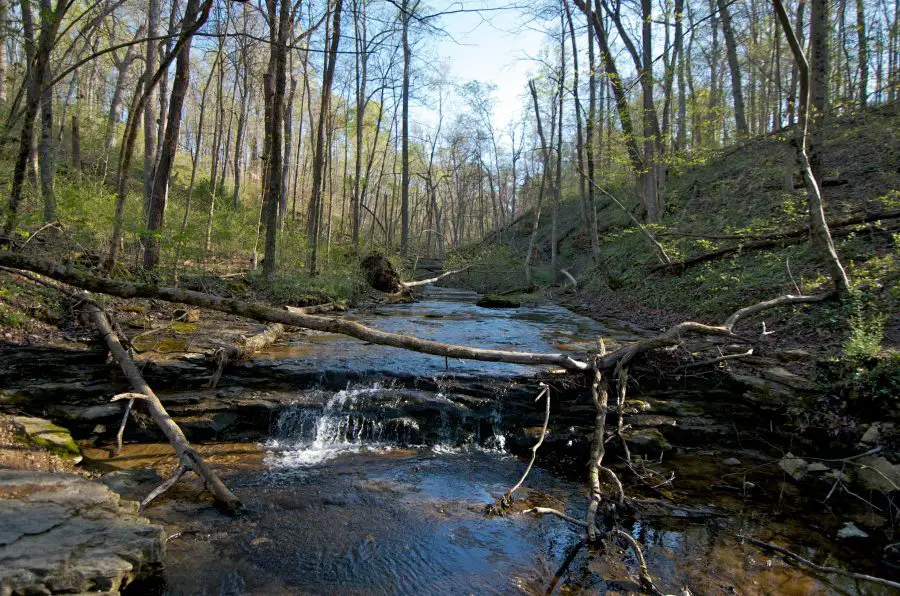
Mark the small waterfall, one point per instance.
(372, 417)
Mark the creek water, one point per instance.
(347, 497)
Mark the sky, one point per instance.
(490, 47)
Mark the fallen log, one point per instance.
(431, 280)
(788, 239)
(242, 349)
(187, 456)
(852, 221)
(260, 312)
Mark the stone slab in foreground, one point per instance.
(64, 533)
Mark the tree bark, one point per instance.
(46, 149)
(157, 207)
(39, 60)
(740, 117)
(187, 456)
(863, 42)
(315, 202)
(150, 126)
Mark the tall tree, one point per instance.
(315, 202)
(737, 93)
(157, 207)
(36, 70)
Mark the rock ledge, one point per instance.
(61, 533)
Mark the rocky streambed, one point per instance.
(366, 469)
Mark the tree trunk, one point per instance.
(35, 82)
(740, 118)
(4, 34)
(404, 141)
(115, 104)
(315, 203)
(818, 82)
(863, 42)
(819, 232)
(150, 125)
(76, 143)
(157, 208)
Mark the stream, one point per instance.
(378, 488)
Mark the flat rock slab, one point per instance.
(61, 533)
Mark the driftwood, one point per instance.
(844, 228)
(126, 289)
(187, 456)
(431, 280)
(506, 501)
(243, 348)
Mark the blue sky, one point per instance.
(493, 47)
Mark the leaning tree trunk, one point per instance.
(819, 232)
(157, 207)
(315, 201)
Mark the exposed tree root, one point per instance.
(794, 557)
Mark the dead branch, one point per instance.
(819, 568)
(853, 221)
(425, 282)
(673, 337)
(600, 397)
(506, 501)
(242, 349)
(186, 455)
(718, 359)
(557, 513)
(644, 573)
(796, 237)
(126, 289)
(166, 485)
(317, 308)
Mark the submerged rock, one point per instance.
(47, 435)
(793, 466)
(647, 441)
(849, 530)
(877, 473)
(491, 301)
(61, 533)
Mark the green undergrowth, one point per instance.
(741, 191)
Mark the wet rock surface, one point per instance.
(61, 533)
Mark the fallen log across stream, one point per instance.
(261, 312)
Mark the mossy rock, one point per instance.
(647, 441)
(46, 435)
(493, 301)
(173, 338)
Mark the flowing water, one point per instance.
(353, 494)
